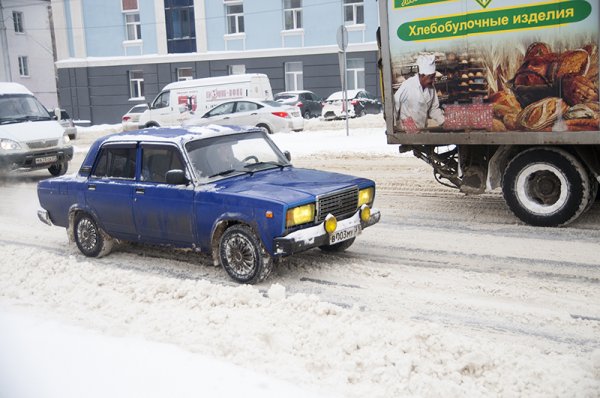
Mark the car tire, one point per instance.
(337, 247)
(59, 169)
(89, 238)
(546, 187)
(243, 256)
(307, 115)
(266, 127)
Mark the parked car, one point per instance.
(308, 103)
(67, 123)
(226, 191)
(270, 115)
(29, 138)
(130, 120)
(360, 102)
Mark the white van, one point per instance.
(180, 100)
(29, 137)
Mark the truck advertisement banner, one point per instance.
(495, 65)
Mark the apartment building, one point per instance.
(26, 49)
(113, 54)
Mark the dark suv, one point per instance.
(307, 101)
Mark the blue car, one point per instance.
(225, 191)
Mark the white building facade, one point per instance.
(26, 48)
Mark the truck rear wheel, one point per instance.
(546, 187)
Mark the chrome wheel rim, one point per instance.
(240, 255)
(87, 234)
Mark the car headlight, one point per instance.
(9, 145)
(300, 215)
(365, 196)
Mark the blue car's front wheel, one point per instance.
(243, 256)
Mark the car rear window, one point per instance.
(286, 97)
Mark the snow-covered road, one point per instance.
(447, 296)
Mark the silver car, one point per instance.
(272, 116)
(130, 120)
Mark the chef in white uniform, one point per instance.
(416, 100)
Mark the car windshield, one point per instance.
(234, 154)
(16, 108)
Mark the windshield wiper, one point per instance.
(226, 172)
(23, 119)
(276, 164)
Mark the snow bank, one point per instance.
(294, 337)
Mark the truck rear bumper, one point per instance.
(316, 236)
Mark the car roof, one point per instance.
(351, 94)
(177, 135)
(295, 92)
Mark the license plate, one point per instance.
(344, 234)
(296, 114)
(46, 159)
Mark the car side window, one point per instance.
(222, 109)
(156, 161)
(244, 106)
(162, 101)
(116, 162)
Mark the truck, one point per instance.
(517, 83)
(178, 101)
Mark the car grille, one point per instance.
(341, 204)
(42, 144)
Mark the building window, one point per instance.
(134, 28)
(129, 5)
(292, 14)
(354, 12)
(136, 84)
(293, 76)
(355, 73)
(235, 16)
(23, 67)
(181, 28)
(185, 74)
(18, 21)
(236, 69)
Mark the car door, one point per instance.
(109, 189)
(220, 114)
(163, 212)
(246, 113)
(162, 110)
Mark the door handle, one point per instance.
(226, 117)
(253, 114)
(91, 187)
(139, 191)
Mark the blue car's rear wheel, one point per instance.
(90, 239)
(243, 256)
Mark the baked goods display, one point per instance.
(462, 79)
(550, 90)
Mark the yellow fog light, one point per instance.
(365, 196)
(365, 213)
(330, 224)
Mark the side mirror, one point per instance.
(176, 177)
(85, 171)
(57, 113)
(288, 155)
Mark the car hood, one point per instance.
(289, 186)
(32, 131)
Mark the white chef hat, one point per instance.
(426, 64)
